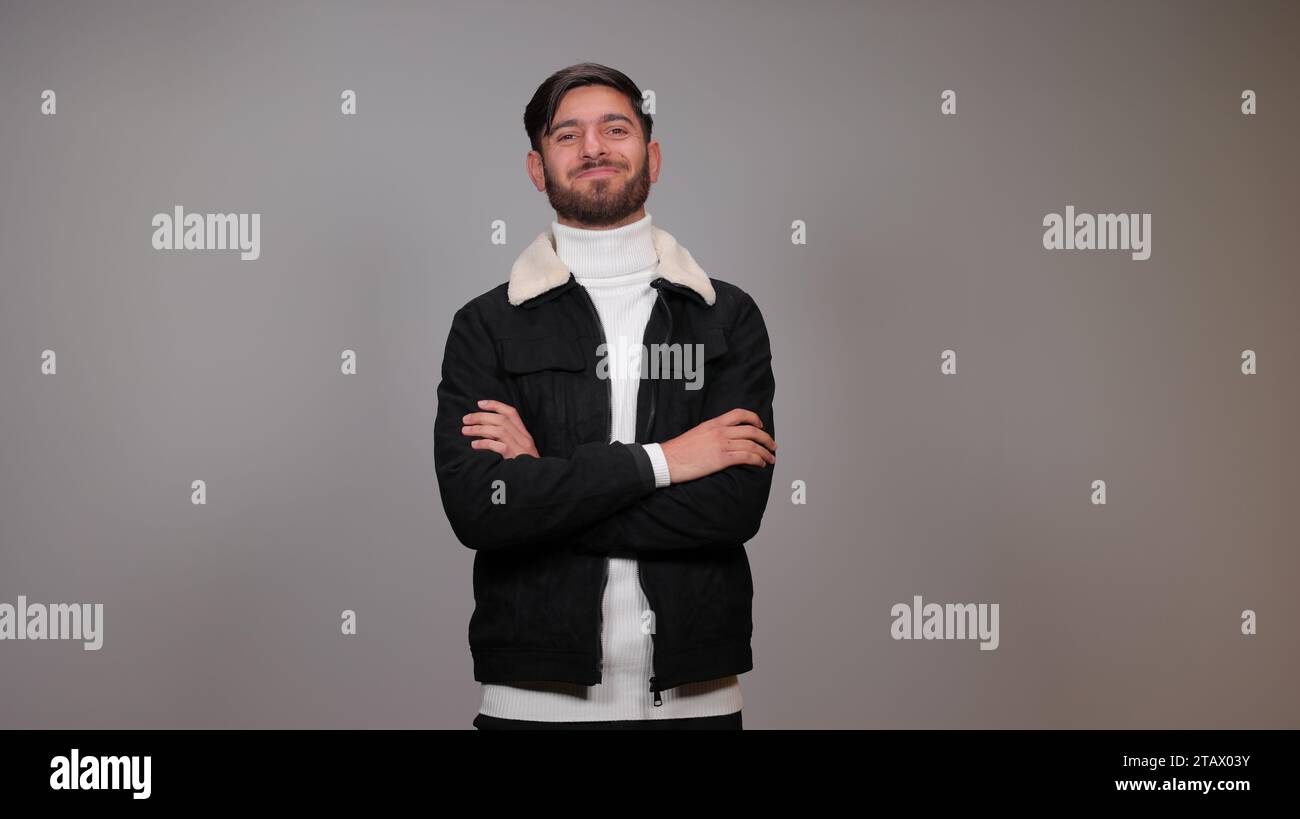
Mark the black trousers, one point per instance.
(725, 722)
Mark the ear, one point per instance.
(533, 165)
(652, 149)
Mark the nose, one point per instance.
(592, 146)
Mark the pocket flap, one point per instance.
(526, 355)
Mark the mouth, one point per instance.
(604, 170)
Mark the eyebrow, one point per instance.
(607, 118)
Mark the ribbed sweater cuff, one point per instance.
(660, 463)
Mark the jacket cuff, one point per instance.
(644, 466)
(660, 463)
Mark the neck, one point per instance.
(608, 252)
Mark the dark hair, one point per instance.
(540, 111)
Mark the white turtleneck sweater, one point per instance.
(616, 266)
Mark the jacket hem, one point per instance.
(507, 665)
(703, 663)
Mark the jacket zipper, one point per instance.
(655, 625)
(609, 438)
(654, 689)
(609, 413)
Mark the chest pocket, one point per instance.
(546, 373)
(528, 355)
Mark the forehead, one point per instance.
(591, 101)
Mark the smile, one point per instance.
(604, 171)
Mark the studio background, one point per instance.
(924, 234)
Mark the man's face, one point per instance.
(595, 165)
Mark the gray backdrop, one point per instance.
(924, 234)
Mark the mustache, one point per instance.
(581, 171)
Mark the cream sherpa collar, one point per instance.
(539, 268)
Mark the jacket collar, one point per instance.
(539, 268)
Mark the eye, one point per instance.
(620, 128)
(564, 137)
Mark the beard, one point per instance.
(598, 203)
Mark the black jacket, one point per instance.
(539, 571)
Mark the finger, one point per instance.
(510, 416)
(505, 409)
(734, 416)
(487, 443)
(752, 433)
(739, 415)
(484, 430)
(743, 456)
(484, 418)
(503, 434)
(499, 424)
(745, 445)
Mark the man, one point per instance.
(609, 516)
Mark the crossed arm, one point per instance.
(719, 469)
(545, 496)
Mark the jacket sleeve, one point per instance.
(722, 509)
(544, 497)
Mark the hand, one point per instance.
(733, 438)
(501, 429)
